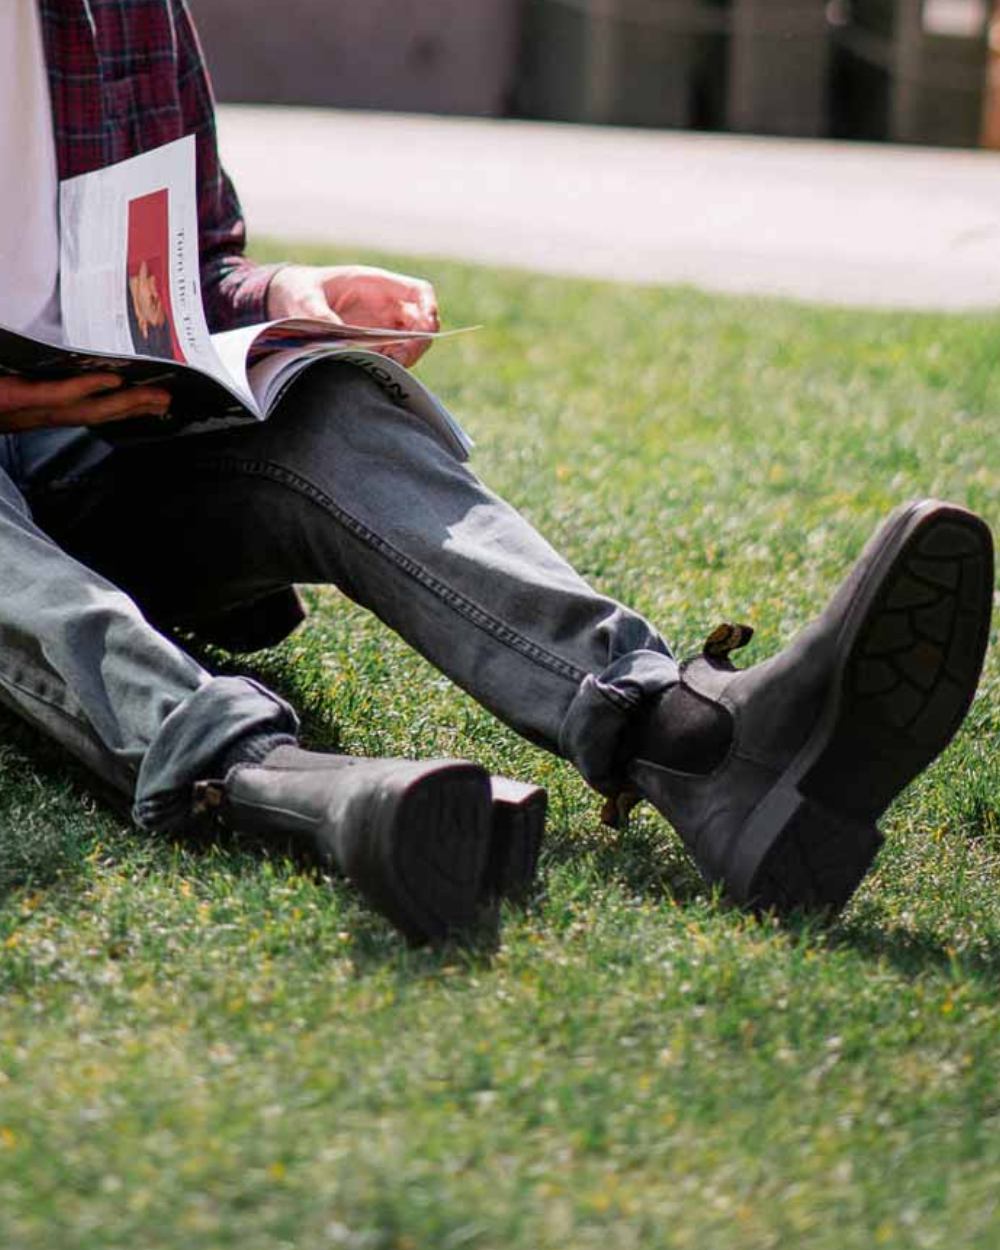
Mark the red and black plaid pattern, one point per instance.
(126, 76)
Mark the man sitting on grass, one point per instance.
(773, 776)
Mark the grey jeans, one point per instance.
(340, 486)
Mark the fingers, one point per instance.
(360, 295)
(302, 291)
(419, 307)
(428, 305)
(416, 351)
(367, 296)
(406, 354)
(313, 303)
(421, 314)
(418, 315)
(27, 393)
(138, 401)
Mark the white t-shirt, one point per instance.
(29, 184)
(29, 225)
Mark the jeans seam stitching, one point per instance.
(475, 614)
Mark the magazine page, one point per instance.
(129, 270)
(240, 349)
(307, 332)
(233, 347)
(264, 359)
(199, 400)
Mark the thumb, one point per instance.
(313, 304)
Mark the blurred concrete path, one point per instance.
(847, 224)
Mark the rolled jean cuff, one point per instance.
(195, 736)
(594, 733)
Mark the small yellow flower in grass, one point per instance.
(8, 1140)
(277, 1171)
(948, 1006)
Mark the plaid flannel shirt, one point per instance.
(126, 76)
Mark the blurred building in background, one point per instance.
(915, 71)
(425, 56)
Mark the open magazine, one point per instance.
(130, 293)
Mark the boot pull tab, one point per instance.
(208, 797)
(725, 639)
(618, 808)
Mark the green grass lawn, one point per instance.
(202, 1047)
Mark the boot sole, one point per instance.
(430, 846)
(911, 653)
(519, 813)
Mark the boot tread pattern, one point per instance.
(920, 657)
(441, 844)
(816, 865)
(908, 681)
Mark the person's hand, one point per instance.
(88, 399)
(358, 295)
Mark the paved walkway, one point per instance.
(847, 224)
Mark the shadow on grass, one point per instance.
(52, 813)
(911, 952)
(645, 859)
(50, 816)
(302, 684)
(52, 809)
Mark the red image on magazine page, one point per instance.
(150, 317)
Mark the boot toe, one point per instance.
(788, 821)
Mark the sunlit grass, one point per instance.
(204, 1047)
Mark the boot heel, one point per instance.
(518, 826)
(437, 840)
(815, 860)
